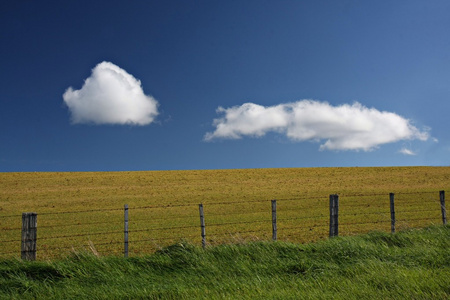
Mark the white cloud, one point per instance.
(407, 151)
(111, 96)
(345, 127)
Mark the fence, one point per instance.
(144, 229)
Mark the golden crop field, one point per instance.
(86, 210)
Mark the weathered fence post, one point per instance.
(334, 215)
(202, 225)
(331, 216)
(29, 236)
(444, 212)
(391, 200)
(274, 220)
(125, 246)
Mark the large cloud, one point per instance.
(111, 96)
(345, 127)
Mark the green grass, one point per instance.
(412, 264)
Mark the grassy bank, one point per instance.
(413, 264)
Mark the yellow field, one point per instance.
(86, 209)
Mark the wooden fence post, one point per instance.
(391, 200)
(331, 216)
(29, 236)
(334, 215)
(444, 212)
(202, 225)
(125, 246)
(274, 220)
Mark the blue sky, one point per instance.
(172, 85)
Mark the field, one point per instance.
(85, 210)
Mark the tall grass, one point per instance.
(412, 264)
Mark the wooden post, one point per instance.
(391, 200)
(334, 215)
(444, 212)
(274, 220)
(331, 216)
(125, 246)
(202, 225)
(29, 236)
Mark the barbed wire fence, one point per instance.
(146, 229)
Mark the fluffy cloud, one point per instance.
(111, 96)
(345, 127)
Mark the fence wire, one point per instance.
(223, 215)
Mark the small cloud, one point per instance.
(344, 127)
(407, 151)
(110, 96)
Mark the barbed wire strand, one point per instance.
(235, 213)
(234, 233)
(79, 211)
(411, 211)
(236, 223)
(10, 229)
(363, 223)
(77, 247)
(164, 239)
(371, 205)
(161, 218)
(235, 202)
(420, 219)
(300, 218)
(415, 193)
(423, 201)
(11, 241)
(78, 235)
(163, 206)
(11, 216)
(162, 228)
(73, 224)
(364, 213)
(362, 195)
(301, 198)
(280, 228)
(10, 252)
